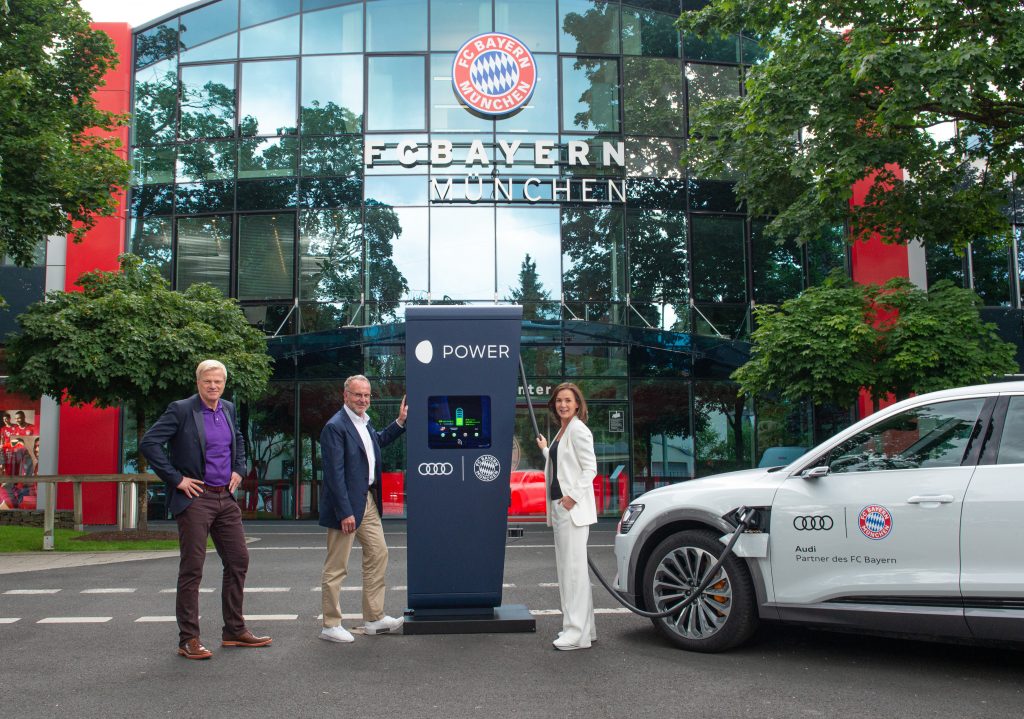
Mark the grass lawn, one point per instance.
(30, 539)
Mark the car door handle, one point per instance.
(931, 499)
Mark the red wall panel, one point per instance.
(874, 262)
(90, 437)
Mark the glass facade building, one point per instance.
(292, 154)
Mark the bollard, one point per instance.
(48, 514)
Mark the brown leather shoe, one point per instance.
(194, 649)
(246, 639)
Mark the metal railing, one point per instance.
(125, 482)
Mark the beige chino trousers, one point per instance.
(370, 534)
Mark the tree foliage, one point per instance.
(127, 339)
(852, 90)
(56, 176)
(896, 339)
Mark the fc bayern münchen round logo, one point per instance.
(875, 521)
(494, 74)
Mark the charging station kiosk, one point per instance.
(461, 378)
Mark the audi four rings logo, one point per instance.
(435, 469)
(813, 523)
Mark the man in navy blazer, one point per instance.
(350, 508)
(202, 466)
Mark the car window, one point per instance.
(1011, 445)
(935, 435)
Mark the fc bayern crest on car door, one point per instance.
(494, 74)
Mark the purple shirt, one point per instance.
(218, 446)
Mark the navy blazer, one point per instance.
(181, 429)
(347, 469)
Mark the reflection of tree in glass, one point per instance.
(662, 410)
(151, 241)
(592, 240)
(653, 97)
(733, 450)
(208, 111)
(658, 263)
(267, 427)
(155, 105)
(530, 291)
(336, 240)
(329, 119)
(596, 30)
(153, 46)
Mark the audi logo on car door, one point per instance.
(435, 469)
(812, 523)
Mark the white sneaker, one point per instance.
(336, 634)
(384, 625)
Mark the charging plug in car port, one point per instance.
(760, 518)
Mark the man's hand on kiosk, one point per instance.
(191, 487)
(348, 525)
(402, 412)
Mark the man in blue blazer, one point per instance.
(202, 466)
(351, 507)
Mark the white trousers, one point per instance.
(573, 579)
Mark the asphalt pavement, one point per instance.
(99, 640)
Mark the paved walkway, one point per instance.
(38, 561)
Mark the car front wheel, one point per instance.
(723, 616)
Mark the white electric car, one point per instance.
(909, 522)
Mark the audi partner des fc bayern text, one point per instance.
(910, 522)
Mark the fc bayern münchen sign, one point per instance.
(494, 74)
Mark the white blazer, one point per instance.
(577, 467)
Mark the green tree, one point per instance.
(127, 339)
(530, 292)
(853, 90)
(896, 339)
(56, 177)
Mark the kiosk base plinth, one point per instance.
(506, 619)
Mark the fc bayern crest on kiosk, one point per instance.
(494, 74)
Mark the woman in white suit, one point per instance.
(570, 467)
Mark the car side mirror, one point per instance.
(816, 472)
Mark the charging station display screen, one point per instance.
(462, 422)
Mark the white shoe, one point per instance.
(336, 634)
(384, 625)
(566, 646)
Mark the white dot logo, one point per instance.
(425, 351)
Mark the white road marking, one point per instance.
(157, 619)
(267, 590)
(511, 545)
(508, 586)
(545, 612)
(9, 620)
(343, 616)
(109, 590)
(614, 610)
(548, 584)
(271, 617)
(202, 590)
(31, 591)
(344, 589)
(74, 620)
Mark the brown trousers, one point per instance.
(214, 515)
(370, 534)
